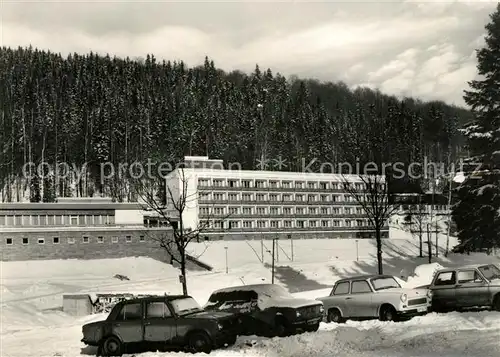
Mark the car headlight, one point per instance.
(429, 294)
(298, 314)
(404, 297)
(220, 326)
(321, 309)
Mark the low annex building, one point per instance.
(78, 228)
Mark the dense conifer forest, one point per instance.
(93, 109)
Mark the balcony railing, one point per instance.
(283, 203)
(272, 189)
(294, 229)
(319, 216)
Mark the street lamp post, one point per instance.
(272, 267)
(291, 245)
(357, 251)
(227, 269)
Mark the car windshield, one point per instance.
(490, 271)
(185, 306)
(384, 283)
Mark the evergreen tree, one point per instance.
(49, 194)
(35, 195)
(477, 211)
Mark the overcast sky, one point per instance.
(420, 49)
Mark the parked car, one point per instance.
(374, 296)
(267, 309)
(161, 322)
(466, 287)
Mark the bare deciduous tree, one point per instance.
(415, 222)
(373, 197)
(178, 200)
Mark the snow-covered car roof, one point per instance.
(269, 295)
(270, 289)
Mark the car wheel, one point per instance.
(231, 341)
(313, 328)
(112, 346)
(281, 328)
(388, 313)
(334, 315)
(439, 308)
(199, 342)
(496, 303)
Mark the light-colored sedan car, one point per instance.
(374, 296)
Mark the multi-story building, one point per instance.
(247, 204)
(89, 228)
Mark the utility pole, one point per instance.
(437, 241)
(262, 248)
(357, 251)
(272, 267)
(277, 250)
(429, 243)
(452, 177)
(291, 244)
(227, 268)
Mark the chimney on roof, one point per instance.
(203, 162)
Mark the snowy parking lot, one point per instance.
(453, 334)
(33, 325)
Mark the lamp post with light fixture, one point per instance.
(227, 268)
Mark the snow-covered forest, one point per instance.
(93, 109)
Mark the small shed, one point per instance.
(77, 304)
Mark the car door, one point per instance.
(471, 289)
(245, 305)
(360, 301)
(128, 323)
(443, 290)
(159, 324)
(338, 297)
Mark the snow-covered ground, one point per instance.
(32, 323)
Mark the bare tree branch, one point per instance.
(177, 201)
(373, 196)
(415, 221)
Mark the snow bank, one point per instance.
(87, 269)
(24, 316)
(5, 293)
(92, 318)
(39, 288)
(423, 275)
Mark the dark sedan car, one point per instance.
(267, 309)
(161, 322)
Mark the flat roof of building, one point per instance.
(69, 206)
(327, 171)
(234, 173)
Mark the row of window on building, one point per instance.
(274, 197)
(414, 208)
(72, 240)
(56, 220)
(274, 210)
(278, 184)
(276, 224)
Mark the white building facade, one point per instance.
(247, 204)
